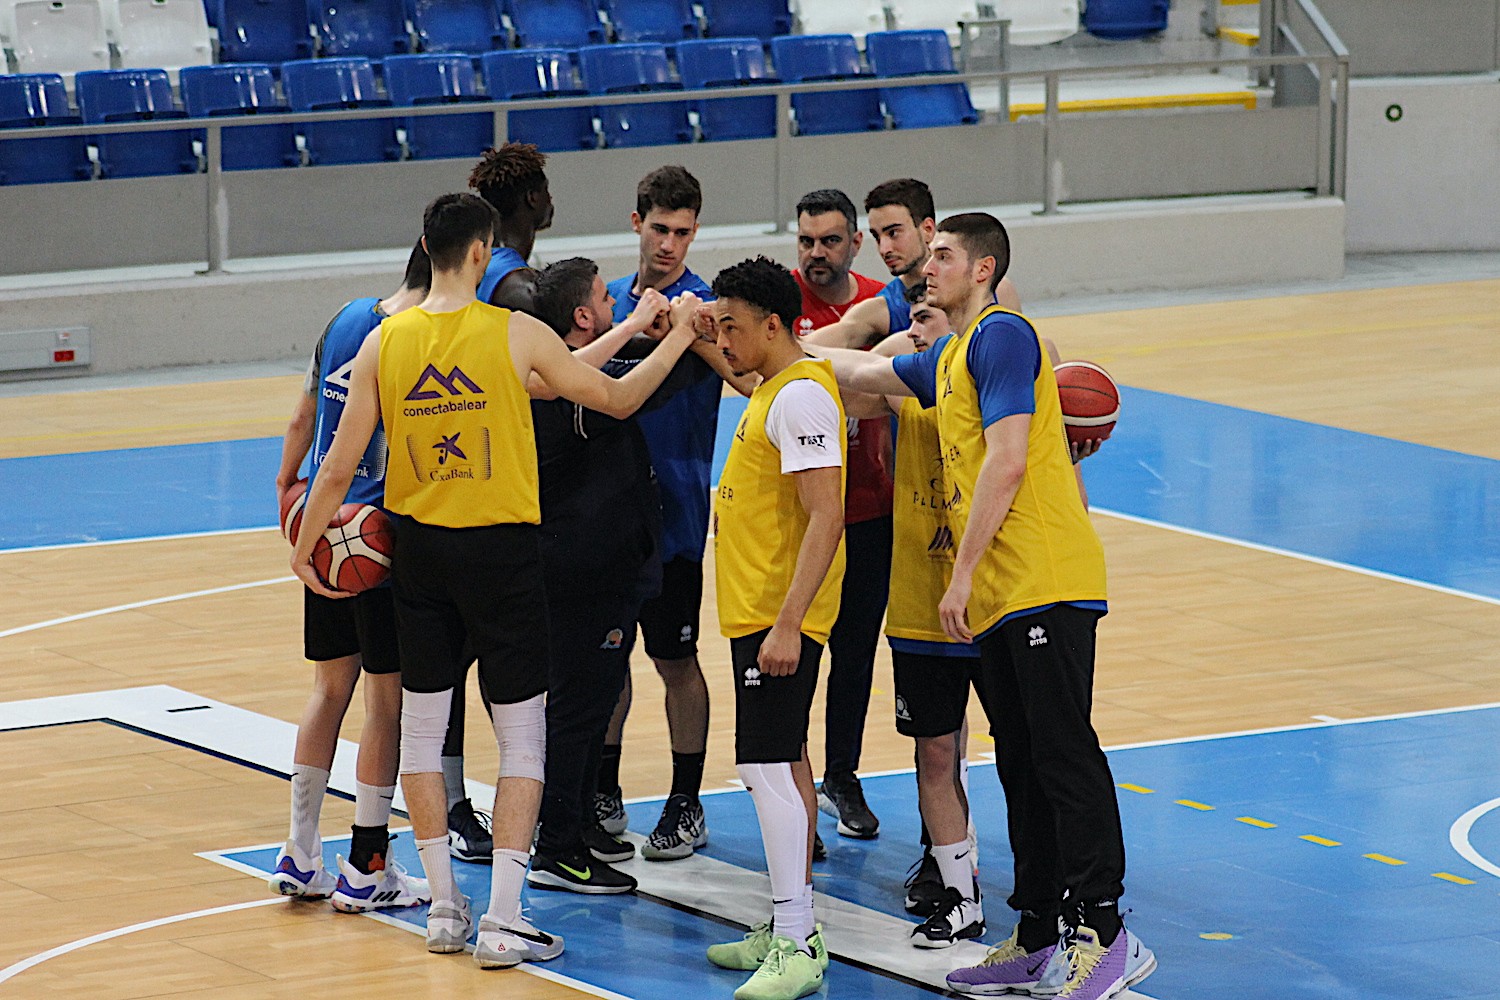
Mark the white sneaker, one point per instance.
(957, 919)
(499, 946)
(1140, 961)
(300, 875)
(383, 890)
(449, 925)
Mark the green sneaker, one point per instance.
(787, 973)
(748, 954)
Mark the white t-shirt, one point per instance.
(803, 423)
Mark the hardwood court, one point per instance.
(101, 824)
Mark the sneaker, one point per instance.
(924, 886)
(300, 875)
(1009, 968)
(1095, 972)
(382, 890)
(749, 953)
(820, 852)
(957, 919)
(609, 807)
(469, 837)
(499, 946)
(581, 872)
(448, 925)
(787, 973)
(605, 846)
(1140, 961)
(680, 831)
(842, 796)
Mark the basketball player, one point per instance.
(779, 556)
(343, 637)
(1028, 585)
(448, 379)
(828, 238)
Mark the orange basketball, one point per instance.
(292, 503)
(1090, 400)
(354, 554)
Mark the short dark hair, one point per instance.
(908, 192)
(981, 235)
(826, 200)
(505, 176)
(563, 287)
(764, 284)
(418, 275)
(670, 189)
(453, 222)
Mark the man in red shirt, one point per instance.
(828, 239)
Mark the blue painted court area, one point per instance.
(1217, 834)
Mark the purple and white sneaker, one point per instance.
(1095, 972)
(301, 875)
(386, 889)
(1009, 969)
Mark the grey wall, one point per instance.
(1387, 37)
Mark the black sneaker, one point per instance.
(606, 847)
(609, 809)
(841, 796)
(680, 831)
(924, 886)
(578, 873)
(469, 837)
(820, 853)
(957, 919)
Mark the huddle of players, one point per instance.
(473, 573)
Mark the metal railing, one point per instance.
(1331, 134)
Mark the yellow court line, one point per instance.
(1252, 821)
(1455, 879)
(1312, 838)
(1234, 98)
(1201, 807)
(1138, 789)
(1249, 39)
(1385, 859)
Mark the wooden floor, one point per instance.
(100, 825)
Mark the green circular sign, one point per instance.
(1394, 113)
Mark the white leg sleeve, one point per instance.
(424, 724)
(783, 830)
(521, 732)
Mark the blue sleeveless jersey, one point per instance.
(680, 437)
(896, 304)
(340, 343)
(503, 261)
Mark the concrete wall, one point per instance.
(1425, 181)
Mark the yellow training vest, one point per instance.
(1046, 550)
(458, 419)
(759, 522)
(922, 543)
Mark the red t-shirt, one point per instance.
(869, 488)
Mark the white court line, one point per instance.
(139, 538)
(134, 605)
(1458, 836)
(72, 946)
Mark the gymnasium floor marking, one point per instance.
(135, 605)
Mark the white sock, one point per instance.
(953, 862)
(372, 804)
(308, 787)
(453, 780)
(963, 779)
(506, 878)
(437, 866)
(783, 831)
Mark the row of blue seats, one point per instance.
(277, 30)
(414, 80)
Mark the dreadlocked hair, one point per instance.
(505, 176)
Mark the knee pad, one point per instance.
(424, 723)
(521, 732)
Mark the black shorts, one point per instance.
(771, 713)
(471, 593)
(932, 692)
(669, 621)
(364, 624)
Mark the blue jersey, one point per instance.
(897, 306)
(502, 262)
(336, 351)
(680, 436)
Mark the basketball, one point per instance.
(1090, 401)
(292, 503)
(354, 554)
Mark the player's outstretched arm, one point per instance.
(296, 442)
(865, 323)
(356, 427)
(820, 491)
(862, 371)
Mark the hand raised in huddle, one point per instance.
(650, 314)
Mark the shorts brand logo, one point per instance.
(614, 639)
(752, 677)
(455, 383)
(1038, 635)
(687, 633)
(901, 710)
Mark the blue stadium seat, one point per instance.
(555, 23)
(623, 69)
(122, 95)
(371, 28)
(1125, 18)
(263, 30)
(805, 58)
(728, 62)
(329, 84)
(456, 25)
(439, 79)
(914, 53)
(764, 19)
(242, 89)
(37, 99)
(527, 74)
(664, 21)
